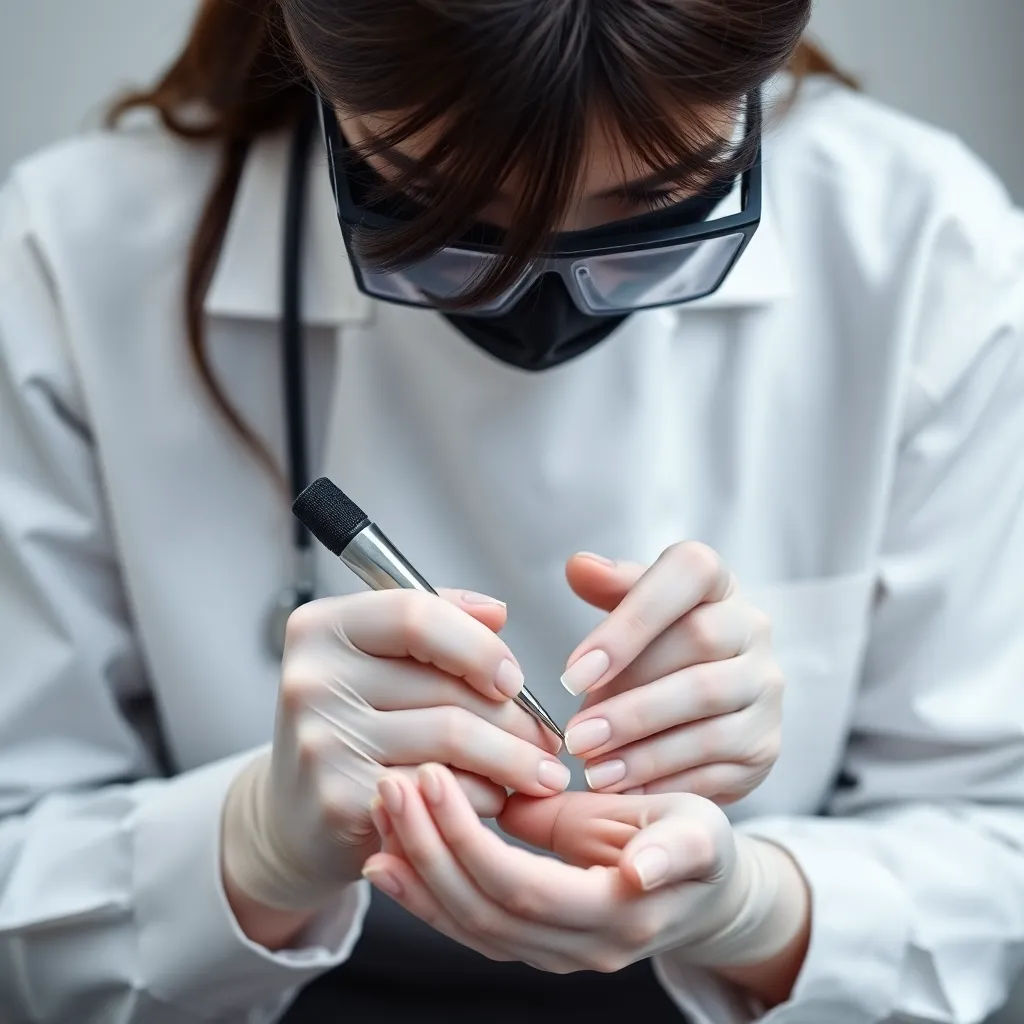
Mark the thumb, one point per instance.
(601, 582)
(683, 839)
(488, 610)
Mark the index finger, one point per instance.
(684, 576)
(421, 626)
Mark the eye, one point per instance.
(658, 199)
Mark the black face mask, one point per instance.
(544, 328)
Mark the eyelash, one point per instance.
(657, 200)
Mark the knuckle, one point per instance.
(312, 741)
(483, 922)
(453, 730)
(775, 682)
(709, 740)
(760, 625)
(522, 903)
(298, 690)
(413, 617)
(303, 623)
(696, 560)
(703, 635)
(640, 931)
(703, 850)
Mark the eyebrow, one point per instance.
(638, 188)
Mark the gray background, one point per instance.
(956, 63)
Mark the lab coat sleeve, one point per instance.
(111, 905)
(917, 868)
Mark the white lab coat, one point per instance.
(844, 421)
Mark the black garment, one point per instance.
(403, 972)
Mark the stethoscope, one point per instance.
(302, 588)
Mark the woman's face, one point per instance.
(615, 184)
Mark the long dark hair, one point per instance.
(515, 85)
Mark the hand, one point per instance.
(682, 880)
(683, 693)
(373, 682)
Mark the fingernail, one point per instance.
(586, 672)
(509, 679)
(651, 865)
(600, 559)
(430, 783)
(605, 774)
(391, 795)
(472, 597)
(381, 821)
(587, 736)
(383, 880)
(553, 775)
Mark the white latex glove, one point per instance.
(656, 874)
(371, 682)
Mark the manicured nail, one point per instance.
(509, 679)
(383, 880)
(472, 597)
(430, 783)
(584, 673)
(651, 865)
(587, 735)
(553, 775)
(381, 821)
(600, 559)
(391, 794)
(605, 774)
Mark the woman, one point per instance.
(822, 434)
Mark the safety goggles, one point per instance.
(618, 268)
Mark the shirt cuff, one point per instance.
(193, 954)
(860, 934)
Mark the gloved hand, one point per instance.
(371, 682)
(675, 878)
(683, 693)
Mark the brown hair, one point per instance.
(514, 84)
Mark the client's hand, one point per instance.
(669, 874)
(683, 693)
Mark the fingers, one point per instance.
(582, 828)
(457, 737)
(484, 608)
(409, 624)
(687, 839)
(723, 783)
(390, 872)
(409, 685)
(601, 582)
(748, 737)
(685, 576)
(710, 633)
(523, 885)
(691, 695)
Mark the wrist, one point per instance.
(268, 889)
(769, 909)
(771, 978)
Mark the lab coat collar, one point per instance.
(247, 281)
